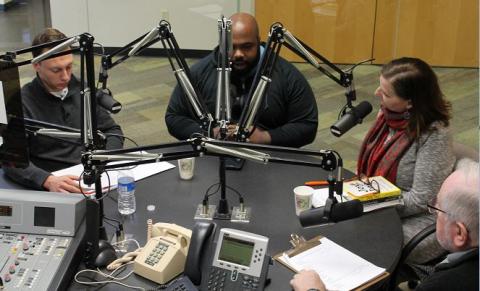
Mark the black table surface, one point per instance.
(268, 190)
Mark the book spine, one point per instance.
(376, 196)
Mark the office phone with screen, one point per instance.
(238, 260)
(163, 257)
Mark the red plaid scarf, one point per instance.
(378, 158)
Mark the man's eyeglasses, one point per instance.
(372, 183)
(433, 209)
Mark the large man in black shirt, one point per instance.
(288, 115)
(53, 96)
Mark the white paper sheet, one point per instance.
(339, 268)
(139, 172)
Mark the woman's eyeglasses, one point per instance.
(372, 183)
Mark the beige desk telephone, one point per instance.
(164, 255)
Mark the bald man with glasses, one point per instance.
(456, 208)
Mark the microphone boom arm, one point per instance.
(329, 160)
(277, 37)
(107, 62)
(222, 104)
(162, 32)
(183, 75)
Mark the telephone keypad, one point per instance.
(216, 279)
(217, 276)
(156, 254)
(181, 284)
(249, 282)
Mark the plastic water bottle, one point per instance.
(126, 192)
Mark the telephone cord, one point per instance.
(114, 281)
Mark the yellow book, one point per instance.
(368, 191)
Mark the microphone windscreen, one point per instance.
(339, 212)
(313, 217)
(363, 109)
(346, 210)
(351, 118)
(106, 100)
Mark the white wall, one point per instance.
(114, 23)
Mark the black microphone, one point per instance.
(351, 118)
(106, 100)
(338, 212)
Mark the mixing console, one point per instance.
(29, 262)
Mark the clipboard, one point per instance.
(300, 245)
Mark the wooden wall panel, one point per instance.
(442, 32)
(340, 30)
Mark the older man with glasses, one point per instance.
(456, 210)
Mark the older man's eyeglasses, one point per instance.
(432, 209)
(435, 210)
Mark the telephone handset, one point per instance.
(164, 255)
(202, 236)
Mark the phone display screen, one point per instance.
(236, 251)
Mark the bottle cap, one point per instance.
(151, 207)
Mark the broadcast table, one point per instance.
(268, 190)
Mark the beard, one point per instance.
(244, 65)
(241, 66)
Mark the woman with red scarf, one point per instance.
(410, 143)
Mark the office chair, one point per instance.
(407, 249)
